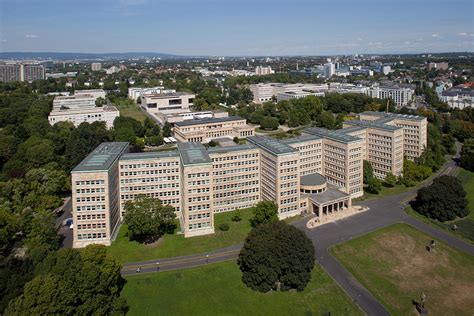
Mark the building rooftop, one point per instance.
(193, 154)
(150, 155)
(394, 115)
(102, 158)
(167, 95)
(312, 179)
(226, 149)
(331, 194)
(337, 135)
(300, 139)
(373, 124)
(272, 145)
(209, 120)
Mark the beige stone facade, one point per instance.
(204, 130)
(95, 196)
(316, 173)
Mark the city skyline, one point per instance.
(240, 28)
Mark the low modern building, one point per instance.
(77, 116)
(297, 95)
(96, 93)
(318, 173)
(81, 107)
(206, 129)
(167, 103)
(264, 92)
(73, 102)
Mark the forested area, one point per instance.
(35, 161)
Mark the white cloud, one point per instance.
(3, 40)
(360, 39)
(435, 35)
(462, 34)
(31, 36)
(407, 43)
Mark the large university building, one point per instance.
(317, 173)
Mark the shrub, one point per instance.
(224, 227)
(237, 216)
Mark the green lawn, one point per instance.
(176, 245)
(217, 289)
(394, 265)
(397, 189)
(129, 108)
(465, 225)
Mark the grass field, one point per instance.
(394, 265)
(465, 225)
(217, 289)
(176, 245)
(129, 108)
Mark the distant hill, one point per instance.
(90, 56)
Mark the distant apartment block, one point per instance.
(96, 66)
(262, 71)
(400, 94)
(206, 129)
(21, 72)
(438, 66)
(458, 97)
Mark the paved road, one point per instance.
(383, 212)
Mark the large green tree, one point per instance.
(264, 212)
(276, 256)
(467, 155)
(444, 200)
(148, 219)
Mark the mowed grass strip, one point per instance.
(217, 289)
(394, 265)
(174, 245)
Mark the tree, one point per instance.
(264, 212)
(276, 256)
(368, 171)
(167, 130)
(100, 101)
(390, 179)
(269, 123)
(148, 219)
(444, 200)
(72, 282)
(467, 155)
(374, 185)
(43, 233)
(213, 143)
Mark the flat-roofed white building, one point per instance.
(206, 129)
(77, 116)
(96, 93)
(73, 102)
(167, 103)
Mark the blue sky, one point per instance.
(237, 27)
